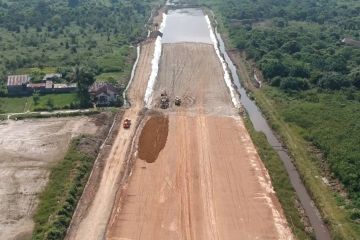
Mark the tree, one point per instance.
(272, 68)
(294, 84)
(299, 70)
(333, 81)
(337, 64)
(50, 104)
(354, 77)
(73, 3)
(291, 47)
(84, 78)
(36, 97)
(2, 82)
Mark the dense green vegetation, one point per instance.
(59, 199)
(280, 182)
(62, 33)
(330, 122)
(311, 80)
(58, 34)
(297, 44)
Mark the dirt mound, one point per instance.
(153, 138)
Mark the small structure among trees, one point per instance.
(350, 41)
(104, 94)
(20, 85)
(17, 84)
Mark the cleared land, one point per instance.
(28, 150)
(208, 181)
(91, 224)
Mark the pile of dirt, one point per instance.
(153, 138)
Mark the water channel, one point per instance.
(261, 125)
(189, 25)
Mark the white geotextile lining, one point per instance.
(154, 65)
(132, 73)
(227, 78)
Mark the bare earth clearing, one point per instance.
(208, 181)
(27, 150)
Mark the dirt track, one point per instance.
(92, 225)
(208, 181)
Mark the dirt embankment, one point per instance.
(29, 149)
(208, 181)
(92, 224)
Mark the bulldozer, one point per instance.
(164, 101)
(177, 101)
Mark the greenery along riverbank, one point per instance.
(311, 92)
(38, 36)
(281, 183)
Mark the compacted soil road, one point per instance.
(196, 172)
(91, 223)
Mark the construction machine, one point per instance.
(127, 123)
(164, 101)
(177, 101)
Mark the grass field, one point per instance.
(24, 104)
(14, 104)
(60, 101)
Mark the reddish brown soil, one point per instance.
(91, 224)
(208, 182)
(153, 138)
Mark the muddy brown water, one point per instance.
(153, 138)
(189, 25)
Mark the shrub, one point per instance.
(272, 68)
(294, 84)
(333, 81)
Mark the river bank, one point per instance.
(304, 157)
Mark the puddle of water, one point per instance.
(153, 138)
(186, 25)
